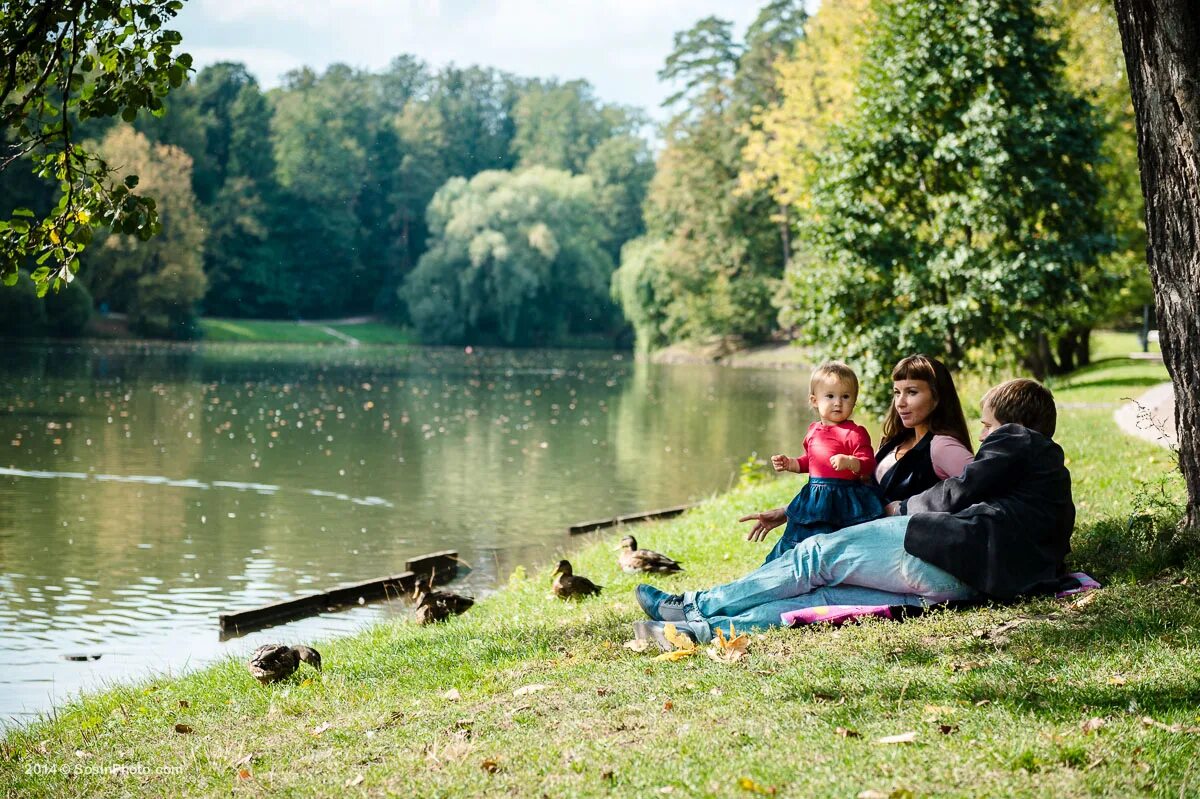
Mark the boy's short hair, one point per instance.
(1025, 402)
(835, 370)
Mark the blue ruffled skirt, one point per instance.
(826, 504)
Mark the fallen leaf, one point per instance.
(243, 774)
(1092, 724)
(184, 703)
(1117, 679)
(602, 691)
(637, 644)
(872, 794)
(452, 695)
(1085, 600)
(321, 728)
(983, 702)
(675, 655)
(728, 650)
(845, 733)
(183, 729)
(1158, 725)
(533, 688)
(355, 780)
(246, 760)
(490, 766)
(947, 729)
(747, 784)
(668, 705)
(677, 639)
(966, 665)
(902, 738)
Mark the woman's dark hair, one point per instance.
(947, 418)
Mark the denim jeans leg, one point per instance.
(793, 534)
(768, 615)
(869, 555)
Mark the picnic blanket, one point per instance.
(1075, 583)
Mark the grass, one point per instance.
(288, 332)
(456, 710)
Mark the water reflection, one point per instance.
(144, 490)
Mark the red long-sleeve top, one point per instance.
(823, 441)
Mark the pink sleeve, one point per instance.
(949, 456)
(860, 439)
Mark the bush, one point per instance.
(21, 312)
(68, 310)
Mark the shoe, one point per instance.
(659, 605)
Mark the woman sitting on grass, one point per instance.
(925, 440)
(999, 530)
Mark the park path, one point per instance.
(1151, 416)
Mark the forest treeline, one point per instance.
(958, 178)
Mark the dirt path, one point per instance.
(1151, 416)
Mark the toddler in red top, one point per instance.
(838, 459)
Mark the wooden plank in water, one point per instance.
(630, 518)
(441, 566)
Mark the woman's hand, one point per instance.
(764, 523)
(892, 509)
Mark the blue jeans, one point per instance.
(861, 565)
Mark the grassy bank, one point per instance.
(264, 331)
(529, 696)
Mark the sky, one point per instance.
(616, 45)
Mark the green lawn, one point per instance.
(529, 696)
(288, 332)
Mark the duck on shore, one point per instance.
(274, 662)
(635, 560)
(568, 585)
(434, 606)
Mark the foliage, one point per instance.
(719, 253)
(515, 257)
(816, 90)
(1095, 68)
(68, 62)
(157, 282)
(560, 125)
(957, 214)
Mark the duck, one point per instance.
(634, 560)
(434, 606)
(274, 662)
(568, 585)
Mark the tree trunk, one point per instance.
(1161, 39)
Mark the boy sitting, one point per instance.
(1000, 530)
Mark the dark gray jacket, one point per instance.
(1004, 526)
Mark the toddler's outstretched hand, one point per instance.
(845, 463)
(782, 463)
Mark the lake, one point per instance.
(144, 489)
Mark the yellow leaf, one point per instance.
(83, 216)
(747, 784)
(678, 654)
(55, 238)
(677, 638)
(902, 738)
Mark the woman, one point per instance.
(925, 440)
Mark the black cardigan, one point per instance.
(1004, 526)
(910, 475)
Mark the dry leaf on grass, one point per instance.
(322, 728)
(747, 784)
(244, 774)
(1092, 724)
(183, 729)
(845, 733)
(684, 646)
(947, 729)
(184, 703)
(452, 695)
(902, 738)
(728, 650)
(533, 688)
(490, 766)
(357, 779)
(637, 644)
(1117, 679)
(1158, 725)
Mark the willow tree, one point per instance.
(1161, 40)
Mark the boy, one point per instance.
(998, 531)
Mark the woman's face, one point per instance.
(914, 401)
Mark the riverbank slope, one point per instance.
(526, 695)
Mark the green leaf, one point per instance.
(22, 212)
(131, 181)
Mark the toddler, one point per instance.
(838, 459)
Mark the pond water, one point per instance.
(146, 489)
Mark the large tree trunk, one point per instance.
(1161, 39)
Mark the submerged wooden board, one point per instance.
(630, 518)
(442, 567)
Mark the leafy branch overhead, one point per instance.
(64, 63)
